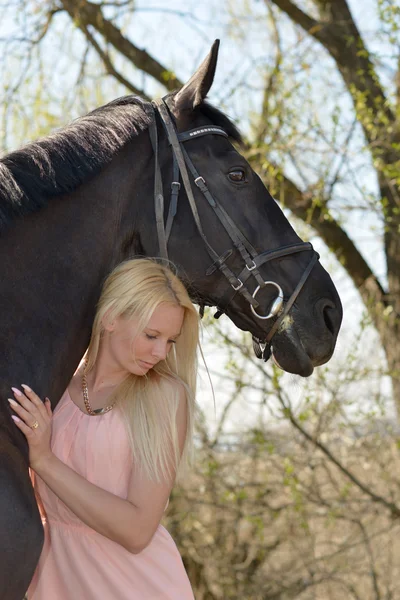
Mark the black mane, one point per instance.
(60, 162)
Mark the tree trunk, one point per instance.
(337, 31)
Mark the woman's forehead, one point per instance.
(167, 318)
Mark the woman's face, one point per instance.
(137, 352)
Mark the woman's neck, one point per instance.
(105, 373)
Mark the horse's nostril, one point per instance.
(329, 318)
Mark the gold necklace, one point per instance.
(85, 391)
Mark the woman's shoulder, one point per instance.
(172, 383)
(171, 386)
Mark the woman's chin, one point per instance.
(141, 367)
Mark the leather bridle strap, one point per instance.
(173, 204)
(292, 298)
(263, 348)
(246, 250)
(158, 190)
(260, 260)
(178, 152)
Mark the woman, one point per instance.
(105, 461)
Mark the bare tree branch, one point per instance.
(111, 70)
(85, 14)
(308, 208)
(391, 506)
(339, 34)
(337, 31)
(310, 25)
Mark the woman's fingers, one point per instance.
(26, 429)
(29, 400)
(34, 398)
(34, 420)
(29, 406)
(28, 417)
(48, 406)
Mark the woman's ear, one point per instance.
(107, 322)
(109, 326)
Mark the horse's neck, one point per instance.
(50, 283)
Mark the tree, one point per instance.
(331, 25)
(335, 29)
(305, 503)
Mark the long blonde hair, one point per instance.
(149, 403)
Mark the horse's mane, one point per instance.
(220, 120)
(60, 162)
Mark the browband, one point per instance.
(199, 131)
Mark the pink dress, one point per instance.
(78, 562)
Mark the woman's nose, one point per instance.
(160, 350)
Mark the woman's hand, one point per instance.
(34, 420)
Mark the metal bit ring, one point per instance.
(276, 305)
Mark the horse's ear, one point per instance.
(196, 89)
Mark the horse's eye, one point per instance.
(237, 175)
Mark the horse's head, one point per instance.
(246, 218)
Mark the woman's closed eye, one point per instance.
(154, 337)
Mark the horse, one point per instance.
(136, 178)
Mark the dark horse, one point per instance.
(78, 202)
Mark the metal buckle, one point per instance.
(176, 183)
(251, 268)
(239, 286)
(201, 179)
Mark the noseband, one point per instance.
(181, 164)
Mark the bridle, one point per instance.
(181, 165)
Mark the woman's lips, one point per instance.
(146, 364)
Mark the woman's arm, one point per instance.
(106, 513)
(148, 497)
(130, 523)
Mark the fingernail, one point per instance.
(26, 387)
(15, 418)
(47, 399)
(12, 402)
(16, 391)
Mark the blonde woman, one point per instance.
(105, 461)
